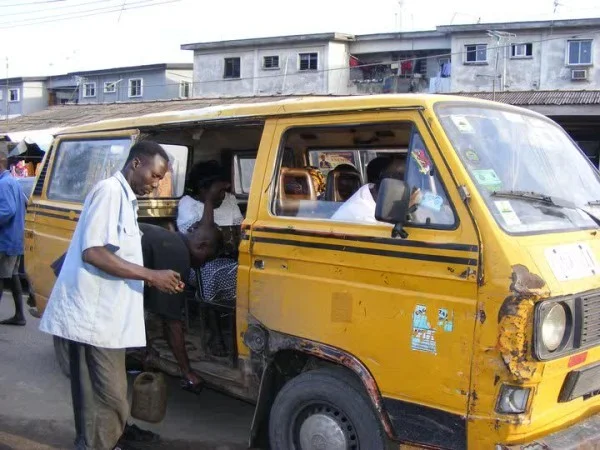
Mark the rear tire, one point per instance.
(318, 409)
(61, 352)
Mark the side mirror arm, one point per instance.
(399, 231)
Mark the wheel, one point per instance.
(319, 410)
(61, 352)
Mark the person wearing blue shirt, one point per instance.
(12, 228)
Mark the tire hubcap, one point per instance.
(325, 428)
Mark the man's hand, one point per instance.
(166, 281)
(415, 199)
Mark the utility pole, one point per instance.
(6, 100)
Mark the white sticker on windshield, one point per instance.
(508, 213)
(117, 149)
(572, 261)
(462, 124)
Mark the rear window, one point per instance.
(80, 164)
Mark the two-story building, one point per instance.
(134, 84)
(25, 95)
(283, 65)
(524, 56)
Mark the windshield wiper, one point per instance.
(549, 200)
(535, 196)
(594, 203)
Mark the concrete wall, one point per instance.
(154, 87)
(209, 70)
(546, 69)
(34, 97)
(338, 75)
(13, 108)
(174, 78)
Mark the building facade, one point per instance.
(22, 95)
(26, 95)
(306, 64)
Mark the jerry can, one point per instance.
(149, 402)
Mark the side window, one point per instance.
(433, 207)
(173, 184)
(79, 165)
(322, 172)
(243, 169)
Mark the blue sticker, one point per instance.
(431, 201)
(423, 336)
(445, 319)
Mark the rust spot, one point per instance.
(468, 273)
(525, 282)
(450, 269)
(482, 316)
(496, 379)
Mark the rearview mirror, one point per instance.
(392, 205)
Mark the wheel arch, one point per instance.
(287, 356)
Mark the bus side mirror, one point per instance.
(392, 205)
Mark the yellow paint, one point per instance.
(364, 303)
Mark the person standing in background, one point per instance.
(13, 203)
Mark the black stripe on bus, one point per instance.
(373, 240)
(369, 251)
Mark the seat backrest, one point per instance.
(294, 185)
(342, 183)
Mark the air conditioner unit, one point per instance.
(579, 74)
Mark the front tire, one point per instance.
(318, 409)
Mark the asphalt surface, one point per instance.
(35, 402)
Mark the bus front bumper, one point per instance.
(582, 435)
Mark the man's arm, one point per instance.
(8, 207)
(100, 242)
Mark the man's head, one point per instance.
(203, 176)
(376, 167)
(146, 165)
(203, 240)
(3, 158)
(395, 168)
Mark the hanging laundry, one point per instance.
(354, 62)
(406, 67)
(446, 69)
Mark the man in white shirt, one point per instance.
(97, 301)
(361, 206)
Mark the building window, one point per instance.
(309, 61)
(185, 88)
(579, 52)
(232, 68)
(89, 90)
(271, 62)
(135, 87)
(476, 53)
(1, 95)
(521, 51)
(110, 87)
(13, 95)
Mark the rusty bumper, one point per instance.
(583, 435)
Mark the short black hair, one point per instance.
(203, 174)
(376, 167)
(146, 149)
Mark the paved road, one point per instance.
(35, 404)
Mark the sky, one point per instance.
(48, 37)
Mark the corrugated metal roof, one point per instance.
(69, 115)
(539, 98)
(63, 116)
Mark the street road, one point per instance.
(35, 401)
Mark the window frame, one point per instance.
(309, 69)
(233, 76)
(85, 89)
(110, 83)
(273, 192)
(467, 52)
(188, 86)
(568, 53)
(18, 96)
(273, 58)
(130, 85)
(526, 45)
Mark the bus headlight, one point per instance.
(553, 326)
